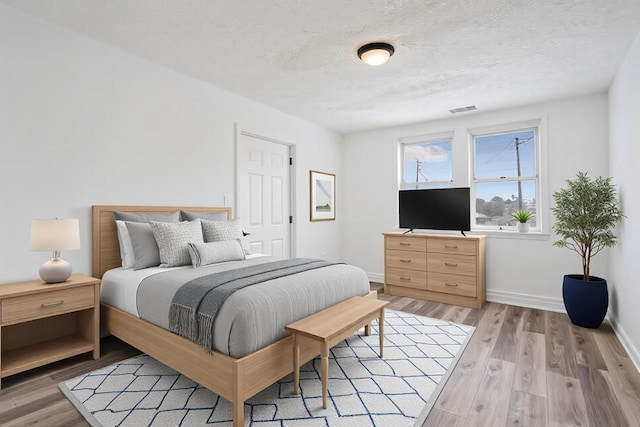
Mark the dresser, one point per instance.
(442, 268)
(42, 323)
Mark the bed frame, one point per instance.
(234, 379)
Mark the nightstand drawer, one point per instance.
(45, 304)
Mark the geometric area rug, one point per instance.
(363, 390)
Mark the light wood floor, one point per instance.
(522, 367)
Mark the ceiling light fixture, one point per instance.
(375, 53)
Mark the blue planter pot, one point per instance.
(586, 302)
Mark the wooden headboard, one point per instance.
(106, 249)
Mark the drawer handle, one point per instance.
(408, 279)
(451, 264)
(405, 244)
(405, 260)
(52, 304)
(451, 285)
(451, 246)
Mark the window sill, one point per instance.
(509, 234)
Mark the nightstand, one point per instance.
(42, 323)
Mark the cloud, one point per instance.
(426, 153)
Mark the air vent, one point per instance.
(463, 109)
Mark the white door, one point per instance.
(263, 194)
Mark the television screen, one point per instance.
(435, 209)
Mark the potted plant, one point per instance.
(586, 212)
(523, 217)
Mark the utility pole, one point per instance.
(417, 172)
(519, 182)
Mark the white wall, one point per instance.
(521, 270)
(82, 123)
(624, 156)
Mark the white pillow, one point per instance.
(173, 239)
(126, 247)
(216, 231)
(214, 252)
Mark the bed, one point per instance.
(234, 378)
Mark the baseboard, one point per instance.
(376, 277)
(631, 350)
(526, 300)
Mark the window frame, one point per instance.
(531, 125)
(426, 139)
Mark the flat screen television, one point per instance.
(435, 209)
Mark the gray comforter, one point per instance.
(255, 316)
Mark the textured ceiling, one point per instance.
(299, 56)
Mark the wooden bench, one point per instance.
(332, 325)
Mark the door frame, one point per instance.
(292, 181)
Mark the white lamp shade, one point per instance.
(55, 234)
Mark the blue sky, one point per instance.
(495, 158)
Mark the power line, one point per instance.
(497, 155)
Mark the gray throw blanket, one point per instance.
(195, 305)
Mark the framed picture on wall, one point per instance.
(323, 196)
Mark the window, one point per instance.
(426, 163)
(506, 176)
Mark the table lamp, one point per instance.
(55, 235)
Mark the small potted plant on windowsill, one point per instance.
(586, 212)
(523, 217)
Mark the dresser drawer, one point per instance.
(452, 246)
(45, 304)
(406, 278)
(406, 260)
(451, 264)
(452, 284)
(406, 243)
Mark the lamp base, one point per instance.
(55, 270)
